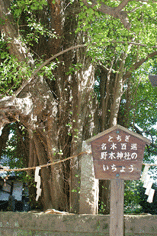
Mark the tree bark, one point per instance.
(3, 138)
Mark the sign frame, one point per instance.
(118, 153)
(117, 179)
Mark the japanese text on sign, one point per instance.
(122, 147)
(118, 148)
(118, 153)
(113, 168)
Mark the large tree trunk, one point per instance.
(74, 92)
(57, 124)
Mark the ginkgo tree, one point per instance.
(52, 53)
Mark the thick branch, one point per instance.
(116, 12)
(44, 64)
(122, 5)
(36, 104)
(138, 64)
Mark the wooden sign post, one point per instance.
(117, 156)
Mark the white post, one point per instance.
(89, 190)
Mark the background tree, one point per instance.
(119, 54)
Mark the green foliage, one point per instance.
(12, 72)
(102, 207)
(143, 106)
(135, 199)
(36, 29)
(132, 197)
(29, 24)
(145, 109)
(74, 68)
(108, 38)
(19, 6)
(31, 29)
(46, 70)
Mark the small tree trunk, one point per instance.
(118, 91)
(3, 138)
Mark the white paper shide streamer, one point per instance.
(38, 180)
(145, 173)
(151, 195)
(148, 182)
